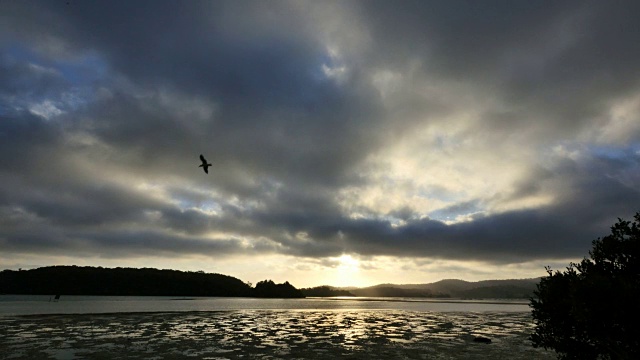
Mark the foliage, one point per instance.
(76, 280)
(269, 289)
(325, 291)
(586, 312)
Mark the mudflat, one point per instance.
(270, 334)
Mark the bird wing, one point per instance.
(203, 159)
(206, 170)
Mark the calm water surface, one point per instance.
(43, 304)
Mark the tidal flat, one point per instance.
(270, 334)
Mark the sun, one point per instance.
(347, 271)
(347, 262)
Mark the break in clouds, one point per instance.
(501, 132)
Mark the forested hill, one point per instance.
(75, 280)
(487, 289)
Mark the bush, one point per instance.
(587, 311)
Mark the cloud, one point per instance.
(491, 132)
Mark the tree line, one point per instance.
(77, 280)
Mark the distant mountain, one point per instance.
(447, 286)
(496, 289)
(390, 290)
(76, 280)
(497, 292)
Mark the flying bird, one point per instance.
(204, 164)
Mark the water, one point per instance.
(44, 304)
(82, 327)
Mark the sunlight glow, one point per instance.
(347, 271)
(347, 262)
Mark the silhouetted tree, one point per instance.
(76, 280)
(324, 291)
(586, 312)
(269, 289)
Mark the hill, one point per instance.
(390, 290)
(486, 289)
(75, 280)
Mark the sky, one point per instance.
(352, 143)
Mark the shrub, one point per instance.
(589, 310)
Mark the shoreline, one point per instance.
(503, 301)
(32, 305)
(427, 300)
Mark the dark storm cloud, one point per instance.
(20, 79)
(277, 114)
(105, 107)
(557, 62)
(124, 243)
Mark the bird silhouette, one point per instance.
(204, 165)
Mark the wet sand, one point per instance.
(269, 334)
